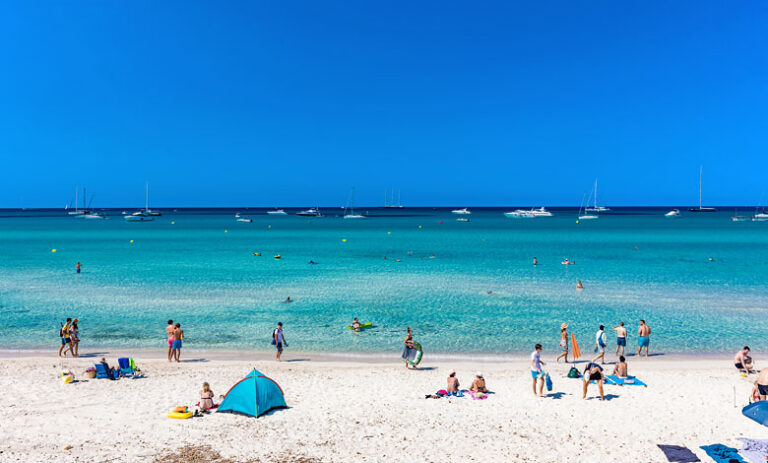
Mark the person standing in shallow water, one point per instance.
(621, 337)
(169, 332)
(278, 340)
(178, 335)
(643, 338)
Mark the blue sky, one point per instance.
(293, 103)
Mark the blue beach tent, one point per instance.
(253, 395)
(757, 411)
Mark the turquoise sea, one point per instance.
(197, 267)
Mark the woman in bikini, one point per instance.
(563, 342)
(478, 388)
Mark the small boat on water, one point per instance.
(672, 214)
(93, 215)
(349, 209)
(528, 214)
(78, 213)
(143, 216)
(311, 212)
(242, 219)
(391, 204)
(277, 212)
(760, 217)
(462, 219)
(739, 218)
(701, 209)
(582, 212)
(463, 211)
(595, 208)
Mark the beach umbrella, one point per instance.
(576, 350)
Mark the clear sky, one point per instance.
(453, 103)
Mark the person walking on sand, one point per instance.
(278, 340)
(563, 343)
(65, 340)
(600, 344)
(169, 332)
(621, 337)
(178, 335)
(593, 372)
(409, 350)
(643, 338)
(536, 373)
(74, 336)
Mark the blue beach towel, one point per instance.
(633, 381)
(678, 454)
(723, 454)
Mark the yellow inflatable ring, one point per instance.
(180, 416)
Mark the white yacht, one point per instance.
(701, 209)
(311, 212)
(462, 219)
(760, 217)
(92, 216)
(595, 207)
(79, 213)
(276, 212)
(143, 216)
(242, 219)
(463, 211)
(673, 213)
(582, 212)
(529, 214)
(349, 209)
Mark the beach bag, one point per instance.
(548, 382)
(574, 373)
(273, 337)
(601, 339)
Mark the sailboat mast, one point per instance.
(595, 193)
(84, 198)
(146, 198)
(701, 168)
(77, 206)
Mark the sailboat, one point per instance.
(582, 211)
(391, 204)
(595, 207)
(701, 209)
(79, 212)
(349, 210)
(142, 216)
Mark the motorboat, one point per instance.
(463, 211)
(673, 213)
(93, 215)
(462, 219)
(311, 212)
(138, 216)
(242, 219)
(528, 214)
(760, 217)
(277, 212)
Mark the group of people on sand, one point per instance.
(478, 389)
(70, 338)
(175, 336)
(643, 341)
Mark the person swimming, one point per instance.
(312, 262)
(579, 285)
(535, 262)
(356, 324)
(288, 300)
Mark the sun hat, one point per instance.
(479, 374)
(563, 326)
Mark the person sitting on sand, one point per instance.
(206, 397)
(742, 360)
(621, 369)
(110, 371)
(593, 372)
(761, 385)
(563, 342)
(453, 384)
(478, 386)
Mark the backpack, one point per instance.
(574, 373)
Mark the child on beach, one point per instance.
(206, 397)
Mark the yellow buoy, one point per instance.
(226, 231)
(419, 226)
(53, 250)
(173, 223)
(269, 226)
(343, 240)
(389, 233)
(131, 241)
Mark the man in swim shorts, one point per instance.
(593, 372)
(621, 337)
(762, 384)
(278, 339)
(643, 338)
(169, 332)
(536, 364)
(77, 267)
(600, 344)
(178, 335)
(742, 360)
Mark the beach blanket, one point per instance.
(628, 381)
(723, 454)
(754, 450)
(678, 454)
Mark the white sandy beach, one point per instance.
(369, 411)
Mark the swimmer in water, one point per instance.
(77, 267)
(312, 262)
(535, 262)
(288, 300)
(256, 253)
(579, 285)
(711, 259)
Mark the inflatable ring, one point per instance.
(362, 326)
(180, 416)
(419, 353)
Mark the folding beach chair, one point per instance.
(103, 371)
(126, 366)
